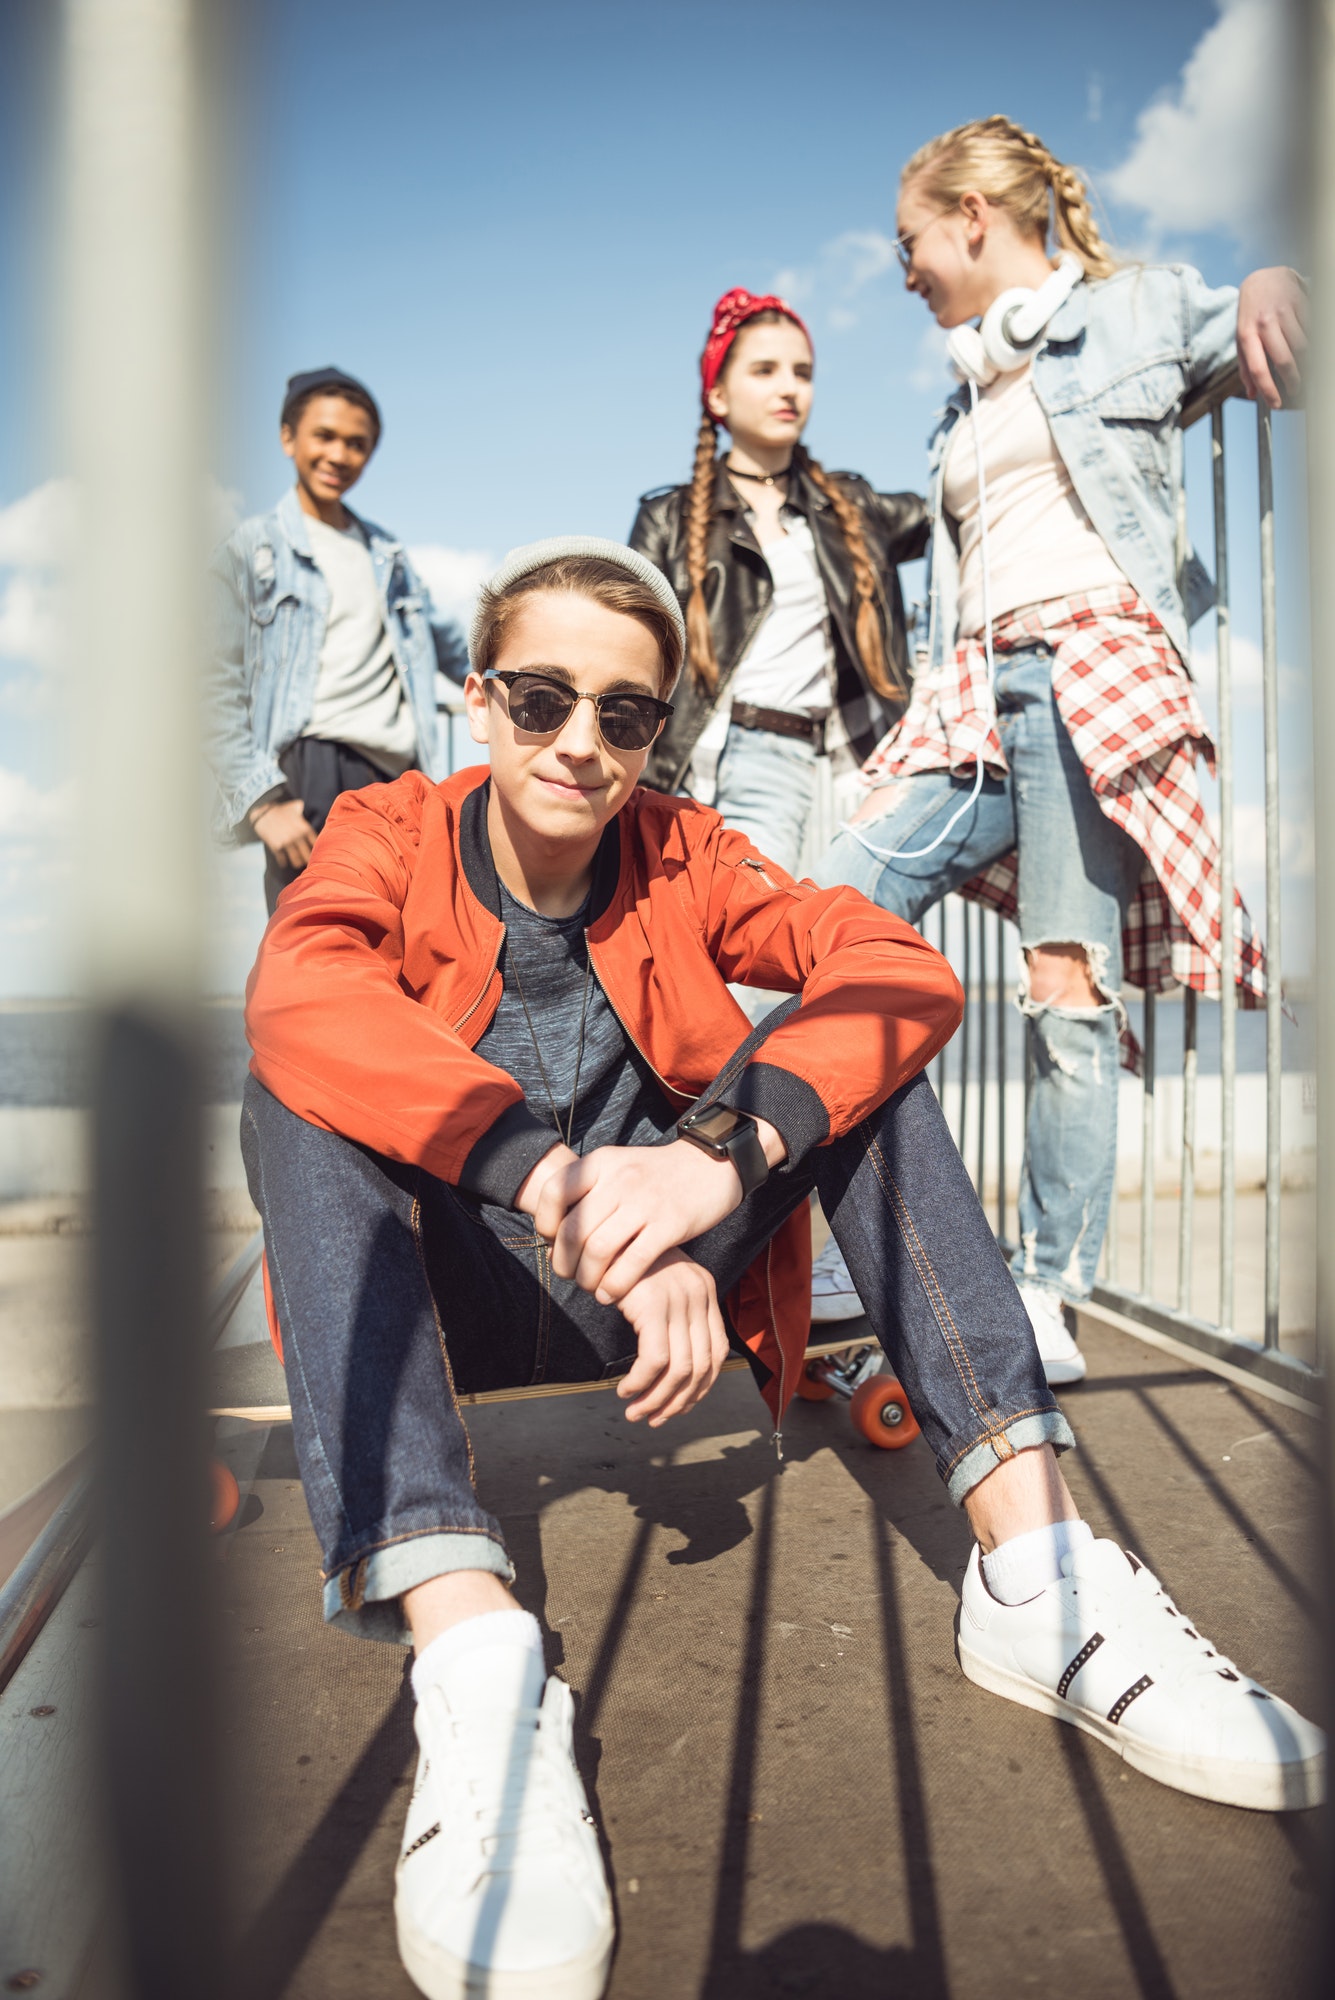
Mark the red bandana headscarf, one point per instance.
(731, 313)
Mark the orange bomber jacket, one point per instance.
(378, 974)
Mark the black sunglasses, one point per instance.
(541, 707)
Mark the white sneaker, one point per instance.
(500, 1887)
(1107, 1650)
(833, 1293)
(1061, 1358)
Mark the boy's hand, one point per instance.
(285, 831)
(1272, 334)
(610, 1217)
(674, 1310)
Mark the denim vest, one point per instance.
(1118, 359)
(271, 604)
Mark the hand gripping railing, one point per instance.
(988, 1117)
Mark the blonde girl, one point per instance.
(1058, 641)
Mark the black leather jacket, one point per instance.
(738, 591)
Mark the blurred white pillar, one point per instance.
(135, 394)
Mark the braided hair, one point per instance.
(1014, 169)
(699, 519)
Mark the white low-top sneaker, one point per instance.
(1061, 1358)
(1108, 1650)
(500, 1889)
(833, 1293)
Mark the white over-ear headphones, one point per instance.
(1012, 326)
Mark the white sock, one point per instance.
(495, 1657)
(1019, 1569)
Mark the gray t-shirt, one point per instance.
(358, 698)
(620, 1102)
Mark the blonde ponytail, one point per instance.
(1015, 170)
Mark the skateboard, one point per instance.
(878, 1408)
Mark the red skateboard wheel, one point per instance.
(880, 1412)
(813, 1388)
(224, 1497)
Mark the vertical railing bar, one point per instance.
(1187, 1188)
(1147, 1154)
(1003, 1021)
(981, 916)
(966, 1032)
(1228, 993)
(1187, 1178)
(1273, 1002)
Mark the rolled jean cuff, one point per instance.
(365, 1597)
(1040, 1427)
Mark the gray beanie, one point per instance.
(535, 555)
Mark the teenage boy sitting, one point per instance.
(506, 1125)
(324, 669)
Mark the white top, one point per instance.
(1040, 541)
(359, 698)
(788, 663)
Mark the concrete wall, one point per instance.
(44, 1151)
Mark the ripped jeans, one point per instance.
(1077, 875)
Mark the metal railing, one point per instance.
(988, 1117)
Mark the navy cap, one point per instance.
(330, 382)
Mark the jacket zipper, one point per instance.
(760, 870)
(769, 1291)
(671, 1088)
(468, 1014)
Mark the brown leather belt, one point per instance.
(782, 722)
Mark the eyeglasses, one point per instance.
(542, 707)
(906, 245)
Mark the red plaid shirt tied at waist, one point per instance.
(1131, 712)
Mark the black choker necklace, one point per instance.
(761, 478)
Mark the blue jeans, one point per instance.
(395, 1292)
(764, 789)
(1077, 876)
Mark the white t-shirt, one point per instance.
(788, 663)
(359, 698)
(1040, 541)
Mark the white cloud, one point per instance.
(1297, 846)
(930, 369)
(1246, 671)
(841, 271)
(37, 532)
(453, 576)
(29, 813)
(1212, 153)
(29, 618)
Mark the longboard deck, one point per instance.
(281, 1413)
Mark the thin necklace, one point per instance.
(533, 1035)
(761, 478)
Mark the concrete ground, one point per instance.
(46, 1373)
(799, 1793)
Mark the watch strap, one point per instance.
(743, 1148)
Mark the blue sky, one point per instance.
(513, 221)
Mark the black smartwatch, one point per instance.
(726, 1134)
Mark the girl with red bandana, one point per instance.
(787, 574)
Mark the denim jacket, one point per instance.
(271, 604)
(1120, 355)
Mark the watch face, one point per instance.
(716, 1123)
